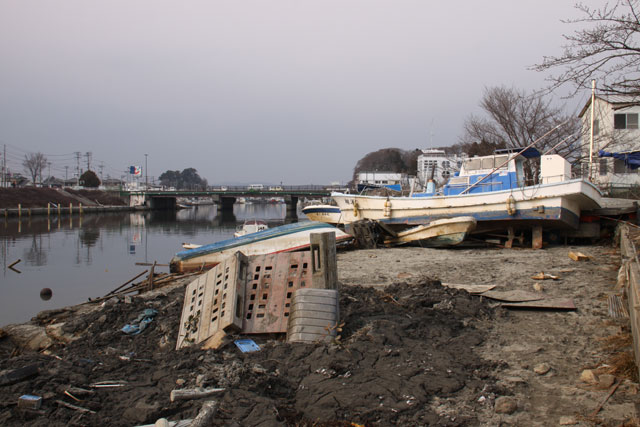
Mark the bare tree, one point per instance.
(516, 119)
(607, 50)
(34, 164)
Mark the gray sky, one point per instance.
(257, 91)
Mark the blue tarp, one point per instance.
(631, 158)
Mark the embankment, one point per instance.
(15, 201)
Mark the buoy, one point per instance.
(45, 294)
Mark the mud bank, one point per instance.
(411, 352)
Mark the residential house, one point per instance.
(616, 141)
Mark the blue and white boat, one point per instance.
(323, 213)
(285, 238)
(492, 190)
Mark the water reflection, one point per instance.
(82, 256)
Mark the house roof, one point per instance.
(617, 100)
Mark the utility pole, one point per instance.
(101, 168)
(146, 174)
(77, 153)
(66, 174)
(4, 167)
(88, 154)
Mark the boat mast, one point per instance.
(593, 101)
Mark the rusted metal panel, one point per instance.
(214, 301)
(271, 281)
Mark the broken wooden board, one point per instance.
(616, 307)
(512, 296)
(214, 301)
(544, 304)
(472, 289)
(271, 281)
(544, 276)
(578, 256)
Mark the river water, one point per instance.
(87, 256)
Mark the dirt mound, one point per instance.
(399, 351)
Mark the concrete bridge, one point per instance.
(226, 196)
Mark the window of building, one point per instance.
(596, 127)
(603, 167)
(625, 121)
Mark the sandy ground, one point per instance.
(564, 342)
(411, 352)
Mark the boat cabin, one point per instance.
(497, 172)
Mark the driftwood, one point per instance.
(193, 393)
(126, 283)
(143, 285)
(16, 375)
(74, 407)
(206, 414)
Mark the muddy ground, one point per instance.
(411, 352)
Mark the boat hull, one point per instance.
(323, 213)
(438, 233)
(286, 238)
(557, 204)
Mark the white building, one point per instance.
(437, 163)
(376, 178)
(615, 131)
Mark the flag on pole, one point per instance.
(135, 170)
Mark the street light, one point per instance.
(146, 174)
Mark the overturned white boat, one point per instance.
(440, 233)
(286, 238)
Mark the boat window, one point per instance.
(487, 163)
(472, 164)
(501, 160)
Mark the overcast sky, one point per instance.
(257, 91)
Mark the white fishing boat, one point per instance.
(490, 189)
(250, 226)
(323, 213)
(285, 238)
(436, 234)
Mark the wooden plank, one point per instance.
(324, 268)
(472, 289)
(512, 296)
(547, 304)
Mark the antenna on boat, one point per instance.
(593, 107)
(518, 154)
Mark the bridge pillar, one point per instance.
(226, 205)
(161, 203)
(292, 207)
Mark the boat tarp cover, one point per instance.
(631, 158)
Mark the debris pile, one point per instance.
(398, 352)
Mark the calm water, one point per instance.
(86, 257)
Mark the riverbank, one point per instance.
(38, 198)
(411, 352)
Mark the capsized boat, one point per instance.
(490, 189)
(323, 213)
(440, 233)
(285, 238)
(250, 226)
